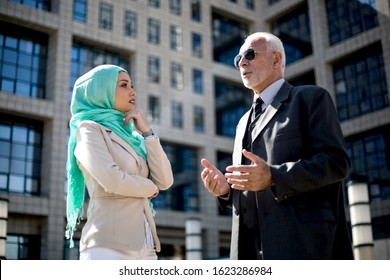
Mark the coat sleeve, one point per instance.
(159, 165)
(95, 160)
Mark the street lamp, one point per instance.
(3, 226)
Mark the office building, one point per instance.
(179, 54)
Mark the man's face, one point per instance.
(257, 73)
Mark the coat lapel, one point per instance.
(271, 110)
(115, 138)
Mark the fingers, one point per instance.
(206, 164)
(251, 156)
(139, 119)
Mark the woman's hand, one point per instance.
(140, 122)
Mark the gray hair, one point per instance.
(274, 44)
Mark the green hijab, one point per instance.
(93, 99)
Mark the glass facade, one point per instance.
(197, 45)
(369, 155)
(80, 10)
(231, 102)
(197, 80)
(294, 31)
(85, 57)
(154, 3)
(154, 31)
(20, 155)
(199, 119)
(154, 69)
(23, 58)
(177, 114)
(228, 35)
(347, 18)
(154, 109)
(177, 76)
(183, 195)
(44, 5)
(196, 10)
(176, 38)
(105, 16)
(23, 247)
(130, 24)
(175, 7)
(360, 83)
(224, 160)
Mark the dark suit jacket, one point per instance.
(302, 216)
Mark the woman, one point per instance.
(122, 170)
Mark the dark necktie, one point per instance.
(257, 108)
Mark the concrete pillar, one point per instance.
(3, 227)
(193, 238)
(359, 207)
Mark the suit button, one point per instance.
(236, 212)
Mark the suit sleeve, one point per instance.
(94, 158)
(323, 159)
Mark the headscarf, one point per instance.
(93, 99)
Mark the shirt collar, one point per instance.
(269, 93)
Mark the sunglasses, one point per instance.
(249, 54)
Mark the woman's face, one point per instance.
(124, 93)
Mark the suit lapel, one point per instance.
(240, 133)
(271, 110)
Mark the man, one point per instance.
(289, 160)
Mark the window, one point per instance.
(154, 69)
(370, 159)
(44, 5)
(20, 155)
(177, 114)
(80, 10)
(153, 31)
(197, 79)
(228, 35)
(197, 45)
(154, 3)
(175, 7)
(224, 160)
(348, 18)
(23, 56)
(23, 247)
(294, 31)
(176, 38)
(154, 109)
(196, 11)
(177, 79)
(85, 57)
(130, 24)
(250, 4)
(199, 119)
(105, 16)
(183, 195)
(231, 102)
(360, 83)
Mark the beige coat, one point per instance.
(119, 183)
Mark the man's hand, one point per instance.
(254, 177)
(213, 179)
